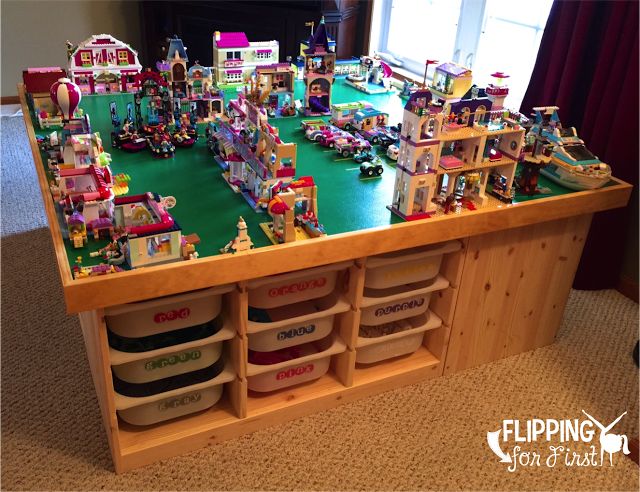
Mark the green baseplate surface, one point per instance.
(206, 205)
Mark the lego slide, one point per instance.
(386, 70)
(317, 106)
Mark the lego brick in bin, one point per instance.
(164, 339)
(395, 303)
(169, 383)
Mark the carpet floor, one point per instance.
(429, 436)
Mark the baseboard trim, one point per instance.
(9, 100)
(628, 288)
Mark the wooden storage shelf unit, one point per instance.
(241, 411)
(507, 290)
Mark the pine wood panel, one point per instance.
(453, 263)
(237, 391)
(443, 303)
(437, 341)
(95, 341)
(513, 291)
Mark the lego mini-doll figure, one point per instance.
(126, 127)
(115, 252)
(181, 136)
(329, 67)
(450, 203)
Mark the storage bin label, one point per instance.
(172, 360)
(401, 306)
(294, 371)
(179, 401)
(296, 332)
(174, 314)
(298, 287)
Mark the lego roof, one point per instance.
(96, 42)
(38, 80)
(453, 69)
(320, 42)
(232, 40)
(422, 93)
(206, 72)
(102, 40)
(175, 45)
(366, 113)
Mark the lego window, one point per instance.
(85, 57)
(123, 56)
(229, 55)
(476, 34)
(158, 246)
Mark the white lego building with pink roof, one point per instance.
(235, 58)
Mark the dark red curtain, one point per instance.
(587, 65)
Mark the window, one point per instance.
(85, 57)
(159, 246)
(123, 57)
(486, 36)
(233, 77)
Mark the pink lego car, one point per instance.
(330, 140)
(345, 148)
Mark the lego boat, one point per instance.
(572, 165)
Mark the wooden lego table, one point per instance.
(508, 289)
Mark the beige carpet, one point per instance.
(427, 436)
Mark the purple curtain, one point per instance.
(587, 65)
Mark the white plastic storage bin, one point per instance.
(295, 324)
(145, 318)
(381, 306)
(176, 403)
(407, 266)
(142, 367)
(407, 341)
(289, 288)
(313, 364)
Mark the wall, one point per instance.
(34, 32)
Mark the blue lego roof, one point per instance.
(206, 71)
(366, 113)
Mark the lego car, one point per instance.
(315, 134)
(330, 139)
(346, 148)
(365, 155)
(371, 169)
(306, 124)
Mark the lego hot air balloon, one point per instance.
(66, 95)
